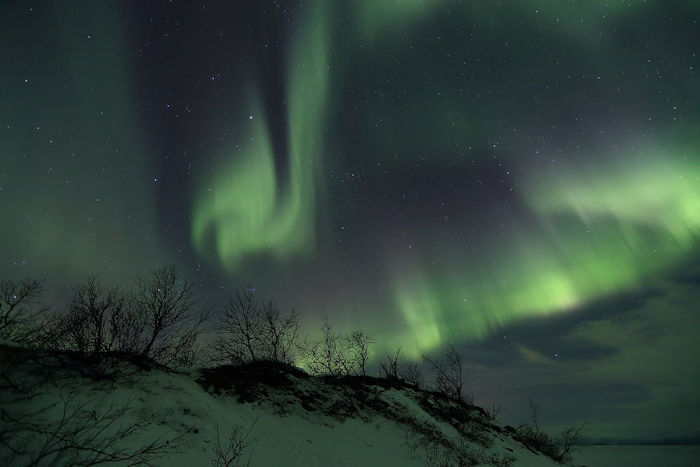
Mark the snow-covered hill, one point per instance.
(58, 409)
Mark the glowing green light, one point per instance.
(380, 17)
(659, 193)
(421, 311)
(240, 207)
(76, 176)
(603, 231)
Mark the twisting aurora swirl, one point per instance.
(601, 229)
(241, 208)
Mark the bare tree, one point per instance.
(435, 450)
(251, 331)
(324, 356)
(337, 354)
(99, 321)
(411, 373)
(279, 334)
(358, 344)
(450, 375)
(389, 368)
(20, 310)
(535, 410)
(560, 449)
(127, 326)
(171, 328)
(238, 337)
(156, 323)
(230, 452)
(70, 431)
(90, 324)
(492, 411)
(567, 442)
(392, 368)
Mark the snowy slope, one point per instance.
(291, 419)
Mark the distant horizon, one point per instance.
(694, 441)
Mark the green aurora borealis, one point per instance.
(519, 178)
(245, 211)
(603, 232)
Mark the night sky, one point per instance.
(520, 178)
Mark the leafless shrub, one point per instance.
(171, 328)
(560, 449)
(251, 331)
(229, 452)
(425, 445)
(392, 368)
(336, 354)
(238, 338)
(20, 310)
(279, 334)
(500, 460)
(535, 410)
(157, 323)
(324, 356)
(492, 411)
(436, 451)
(72, 431)
(450, 375)
(566, 443)
(357, 344)
(411, 373)
(389, 368)
(127, 326)
(96, 320)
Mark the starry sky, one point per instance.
(521, 179)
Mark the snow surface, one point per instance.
(307, 423)
(638, 456)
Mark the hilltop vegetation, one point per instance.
(112, 379)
